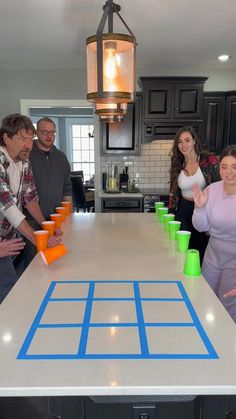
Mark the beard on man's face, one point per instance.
(23, 155)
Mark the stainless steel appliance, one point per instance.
(150, 197)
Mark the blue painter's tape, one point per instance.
(31, 333)
(86, 322)
(141, 326)
(201, 331)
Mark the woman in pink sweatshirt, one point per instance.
(215, 212)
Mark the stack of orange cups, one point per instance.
(49, 226)
(41, 239)
(51, 254)
(57, 218)
(67, 205)
(62, 211)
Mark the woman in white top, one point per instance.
(189, 165)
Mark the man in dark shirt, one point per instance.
(51, 172)
(51, 169)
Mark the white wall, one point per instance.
(71, 84)
(218, 80)
(38, 84)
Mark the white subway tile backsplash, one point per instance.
(150, 163)
(151, 169)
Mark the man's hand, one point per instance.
(53, 241)
(58, 232)
(11, 247)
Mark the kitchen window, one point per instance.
(81, 145)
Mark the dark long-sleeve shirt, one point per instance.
(52, 177)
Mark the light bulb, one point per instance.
(110, 66)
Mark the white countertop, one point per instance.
(115, 316)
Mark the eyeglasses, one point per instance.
(48, 133)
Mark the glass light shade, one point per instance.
(111, 118)
(118, 78)
(108, 109)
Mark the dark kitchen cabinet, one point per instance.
(156, 100)
(188, 101)
(123, 138)
(172, 97)
(170, 103)
(230, 119)
(219, 120)
(212, 133)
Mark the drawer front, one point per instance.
(121, 203)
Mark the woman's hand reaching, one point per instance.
(231, 293)
(200, 197)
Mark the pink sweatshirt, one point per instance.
(218, 216)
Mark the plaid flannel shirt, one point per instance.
(26, 193)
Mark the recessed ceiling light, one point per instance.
(223, 57)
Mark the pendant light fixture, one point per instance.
(111, 112)
(111, 65)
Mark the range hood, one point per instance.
(165, 131)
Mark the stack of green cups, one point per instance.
(173, 227)
(166, 219)
(183, 237)
(160, 212)
(158, 204)
(192, 266)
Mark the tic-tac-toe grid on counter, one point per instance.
(116, 320)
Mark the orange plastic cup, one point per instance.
(51, 254)
(62, 211)
(41, 239)
(49, 226)
(57, 218)
(67, 206)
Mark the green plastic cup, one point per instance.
(166, 218)
(158, 204)
(173, 227)
(192, 266)
(161, 211)
(183, 237)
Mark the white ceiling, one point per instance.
(171, 34)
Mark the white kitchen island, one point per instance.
(115, 317)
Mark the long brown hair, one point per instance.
(230, 150)
(177, 158)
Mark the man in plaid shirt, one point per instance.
(17, 190)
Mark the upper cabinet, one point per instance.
(219, 122)
(230, 119)
(213, 120)
(169, 103)
(123, 138)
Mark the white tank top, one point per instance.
(186, 182)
